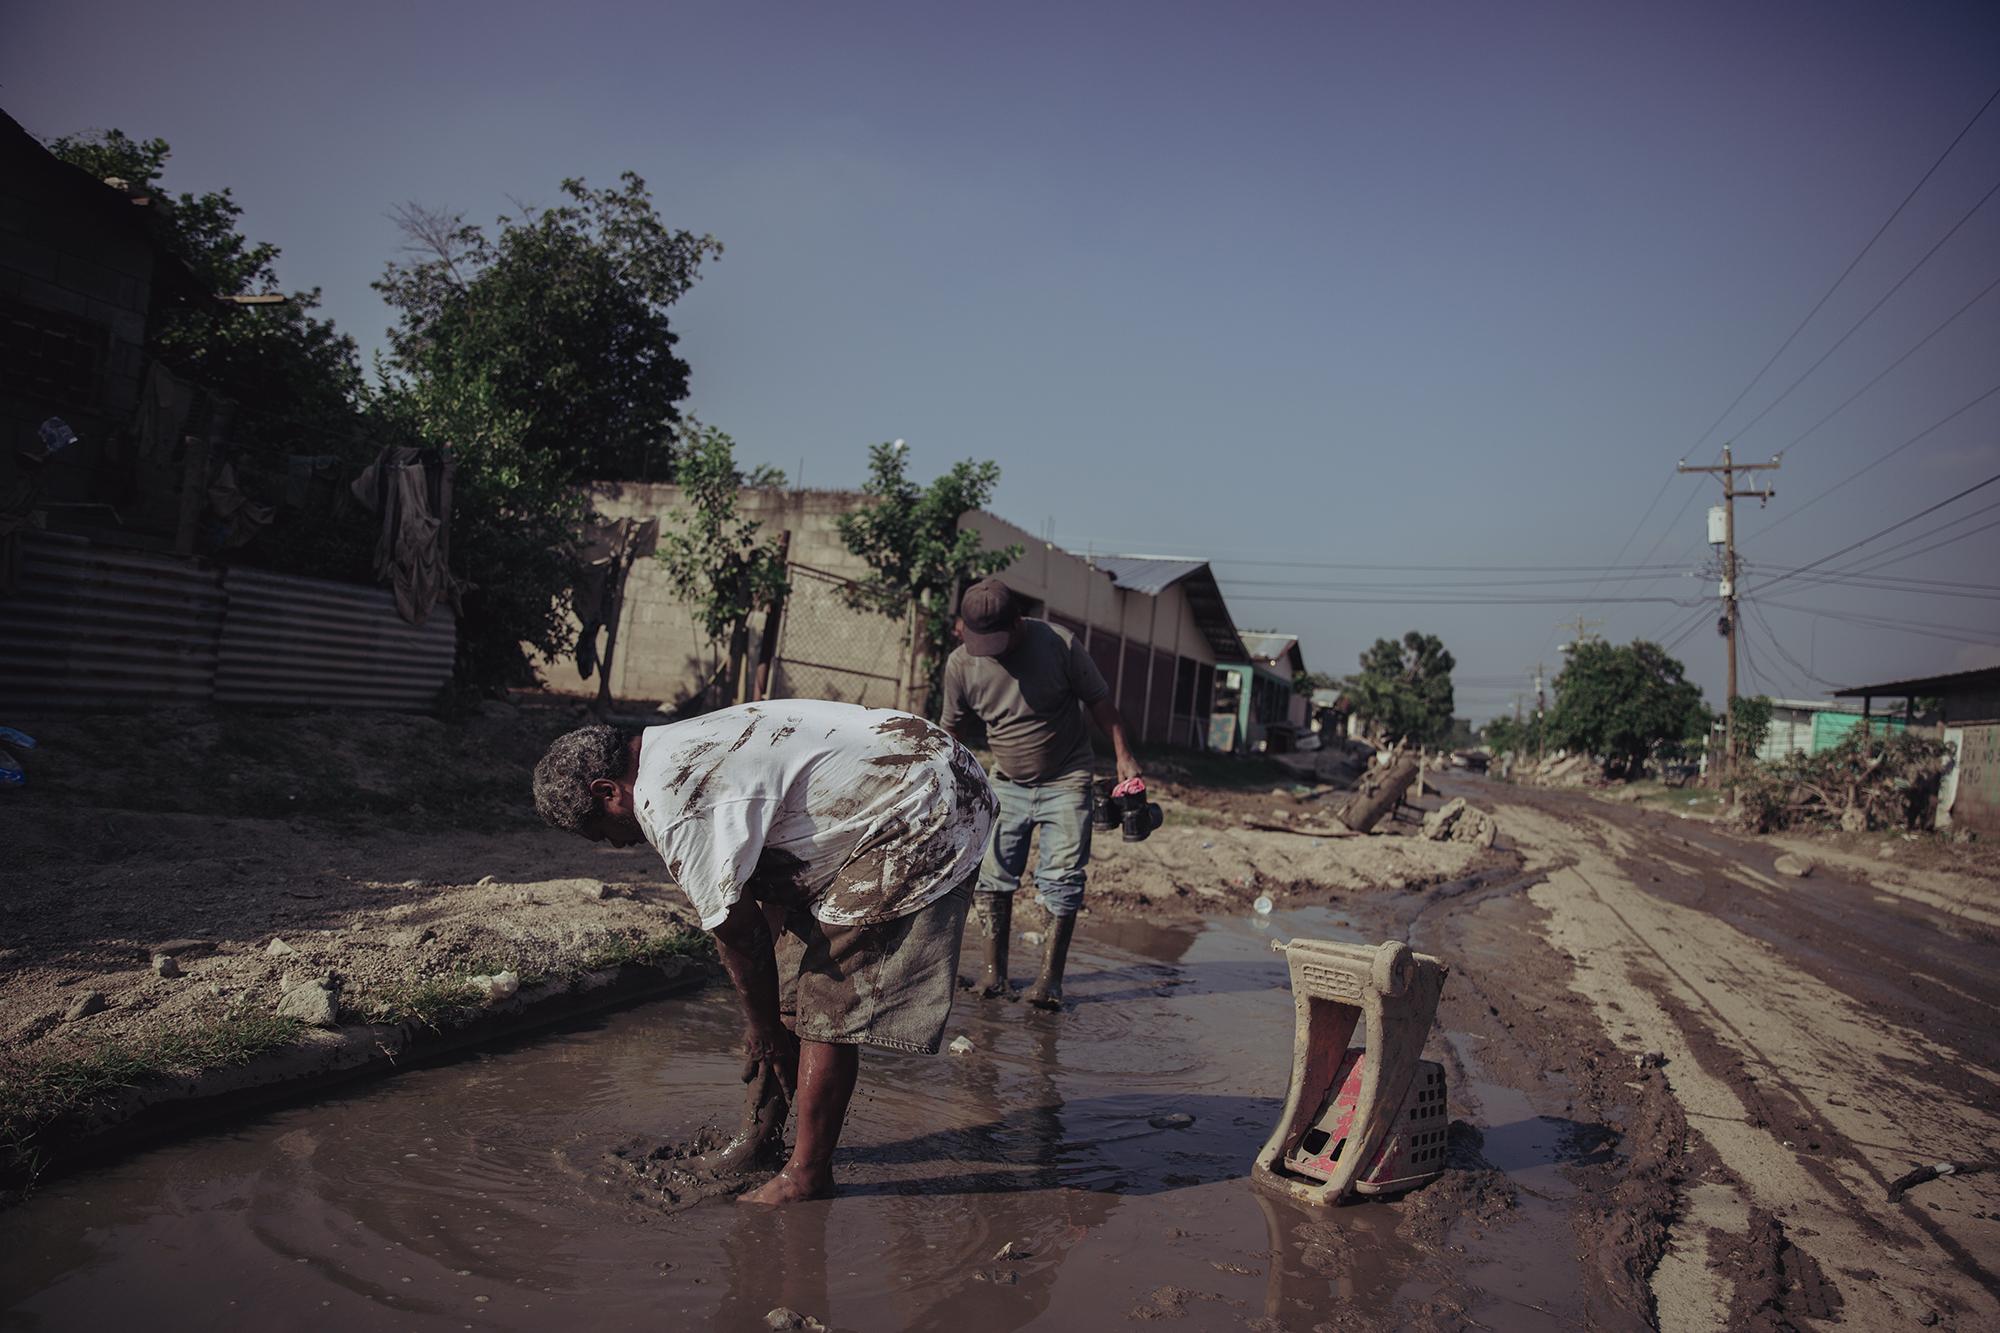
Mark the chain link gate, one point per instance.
(830, 650)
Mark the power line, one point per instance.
(1448, 585)
(1464, 601)
(1899, 578)
(1434, 569)
(1932, 509)
(1870, 313)
(1693, 625)
(1884, 564)
(1934, 426)
(1884, 374)
(1949, 633)
(1665, 482)
(1833, 579)
(1852, 264)
(1757, 611)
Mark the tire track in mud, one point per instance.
(1537, 1044)
(1744, 1016)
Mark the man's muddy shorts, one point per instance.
(886, 984)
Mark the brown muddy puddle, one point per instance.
(486, 1193)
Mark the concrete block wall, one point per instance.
(1148, 647)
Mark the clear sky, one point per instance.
(1350, 283)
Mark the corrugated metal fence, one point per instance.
(95, 627)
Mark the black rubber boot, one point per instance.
(1046, 993)
(996, 917)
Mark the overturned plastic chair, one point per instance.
(1367, 1119)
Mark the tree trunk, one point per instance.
(1365, 812)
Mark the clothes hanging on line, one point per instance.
(410, 489)
(609, 548)
(239, 518)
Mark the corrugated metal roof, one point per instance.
(1148, 574)
(1266, 647)
(1151, 575)
(1985, 678)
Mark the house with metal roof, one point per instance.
(1155, 625)
(1968, 710)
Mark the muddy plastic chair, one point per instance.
(1367, 1119)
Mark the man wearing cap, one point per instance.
(1029, 683)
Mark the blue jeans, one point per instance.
(1061, 809)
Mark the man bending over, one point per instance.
(830, 849)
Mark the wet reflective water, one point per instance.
(484, 1193)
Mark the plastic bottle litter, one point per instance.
(1263, 905)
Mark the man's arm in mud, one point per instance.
(743, 942)
(1112, 723)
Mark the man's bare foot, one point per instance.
(792, 1185)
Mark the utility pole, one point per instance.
(1581, 627)
(1726, 539)
(1541, 731)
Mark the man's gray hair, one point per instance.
(563, 777)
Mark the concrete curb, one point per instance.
(323, 1059)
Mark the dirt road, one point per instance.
(1820, 1036)
(1682, 1083)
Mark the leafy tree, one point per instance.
(516, 516)
(910, 538)
(564, 314)
(1623, 703)
(542, 356)
(1503, 735)
(714, 559)
(1306, 682)
(1404, 689)
(1753, 724)
(294, 378)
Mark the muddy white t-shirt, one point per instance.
(860, 814)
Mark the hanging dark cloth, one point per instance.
(609, 548)
(239, 518)
(411, 490)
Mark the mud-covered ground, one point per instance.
(1680, 1082)
(396, 853)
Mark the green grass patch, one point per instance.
(36, 1092)
(652, 951)
(432, 1002)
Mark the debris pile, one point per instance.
(1865, 782)
(1455, 821)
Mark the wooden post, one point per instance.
(774, 615)
(194, 494)
(614, 597)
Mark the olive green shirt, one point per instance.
(1031, 700)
